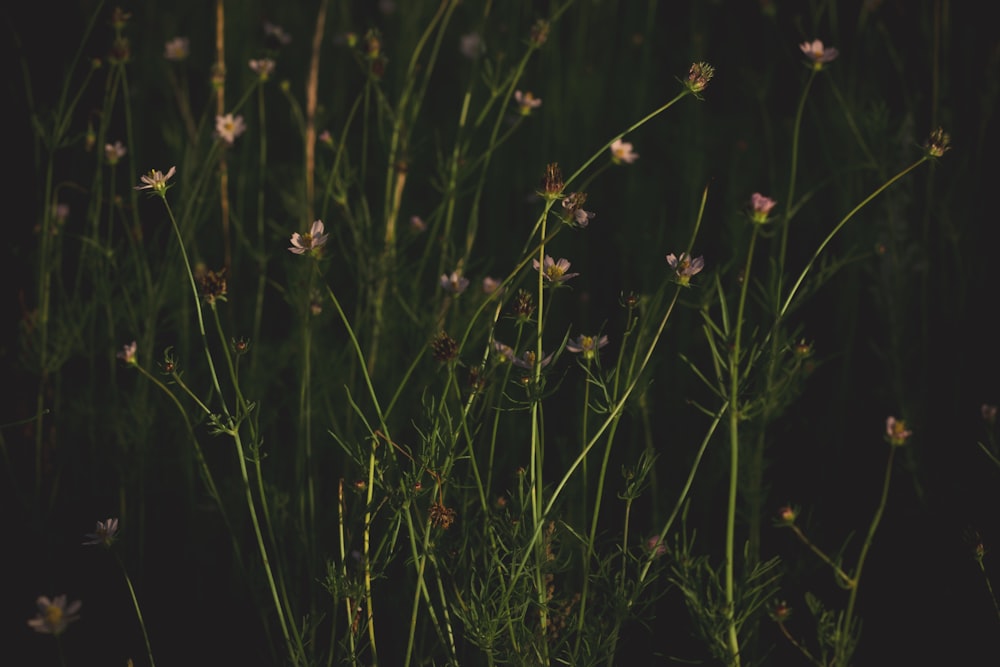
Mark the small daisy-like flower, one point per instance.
(802, 349)
(685, 267)
(896, 432)
(526, 102)
(263, 68)
(576, 216)
(277, 34)
(989, 413)
(177, 49)
(817, 54)
(326, 138)
(417, 224)
(128, 353)
(471, 45)
(587, 346)
(554, 271)
(455, 283)
(503, 351)
(938, 143)
(114, 152)
(156, 181)
(621, 152)
(760, 207)
(104, 534)
(656, 547)
(491, 284)
(529, 359)
(698, 77)
(312, 240)
(229, 127)
(54, 615)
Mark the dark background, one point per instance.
(923, 599)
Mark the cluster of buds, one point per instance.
(444, 348)
(524, 306)
(552, 183)
(698, 77)
(213, 285)
(441, 516)
(575, 215)
(938, 143)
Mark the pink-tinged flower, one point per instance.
(311, 241)
(61, 213)
(455, 283)
(698, 77)
(621, 152)
(54, 615)
(505, 352)
(263, 68)
(528, 360)
(553, 271)
(587, 346)
(156, 181)
(326, 138)
(818, 54)
(229, 127)
(417, 224)
(277, 33)
(989, 413)
(760, 207)
(685, 267)
(896, 432)
(526, 102)
(114, 152)
(656, 546)
(491, 284)
(471, 45)
(177, 49)
(128, 353)
(577, 217)
(104, 534)
(787, 515)
(780, 611)
(938, 143)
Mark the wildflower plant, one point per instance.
(380, 465)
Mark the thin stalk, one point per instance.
(138, 611)
(732, 634)
(845, 634)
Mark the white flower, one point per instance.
(311, 240)
(229, 127)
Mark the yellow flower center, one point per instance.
(554, 272)
(53, 615)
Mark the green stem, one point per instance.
(138, 611)
(845, 635)
(734, 460)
